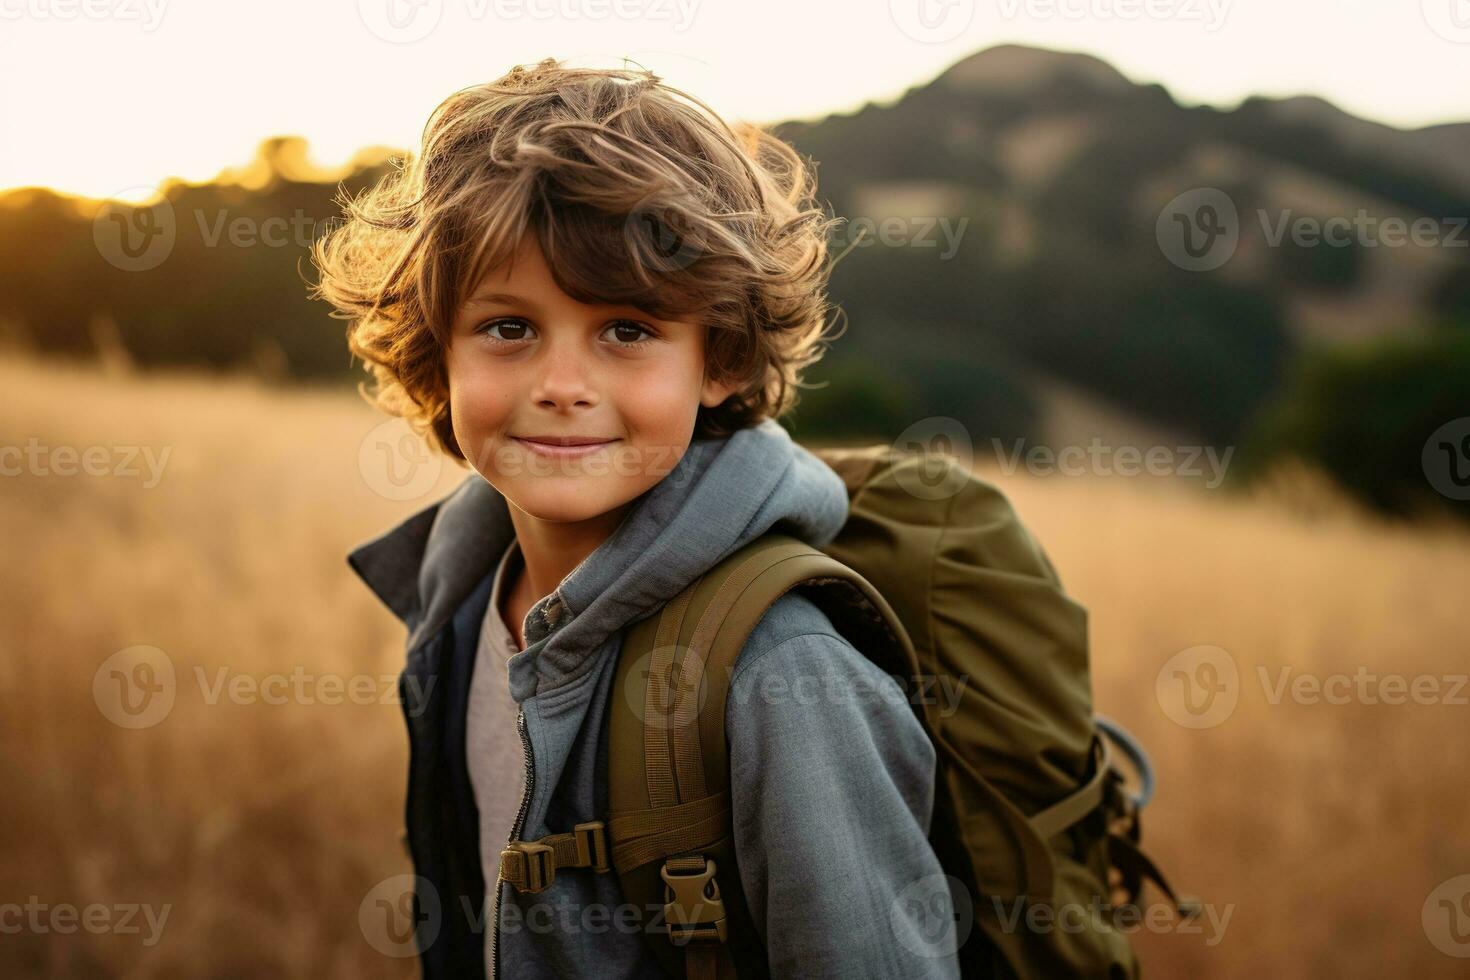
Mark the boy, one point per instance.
(599, 296)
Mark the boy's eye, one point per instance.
(511, 325)
(639, 333)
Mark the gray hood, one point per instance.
(722, 494)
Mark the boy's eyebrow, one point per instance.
(510, 299)
(496, 298)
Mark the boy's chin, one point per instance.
(568, 500)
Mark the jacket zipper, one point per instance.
(515, 833)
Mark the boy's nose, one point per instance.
(565, 380)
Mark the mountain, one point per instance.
(1063, 172)
(1442, 150)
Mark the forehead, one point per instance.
(527, 280)
(526, 269)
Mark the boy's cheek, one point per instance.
(478, 416)
(482, 449)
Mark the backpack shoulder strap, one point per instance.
(668, 768)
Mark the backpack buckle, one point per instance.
(528, 865)
(694, 910)
(591, 838)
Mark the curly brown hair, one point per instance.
(637, 193)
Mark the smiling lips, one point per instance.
(563, 446)
(565, 440)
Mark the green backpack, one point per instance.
(934, 579)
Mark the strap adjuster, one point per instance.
(591, 838)
(694, 910)
(533, 865)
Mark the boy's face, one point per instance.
(527, 362)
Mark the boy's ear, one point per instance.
(715, 392)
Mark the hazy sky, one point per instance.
(102, 97)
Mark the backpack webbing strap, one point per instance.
(641, 836)
(1065, 812)
(530, 866)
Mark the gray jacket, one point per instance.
(844, 781)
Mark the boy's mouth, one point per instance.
(564, 446)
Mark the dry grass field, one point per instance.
(1320, 828)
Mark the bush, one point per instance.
(1365, 413)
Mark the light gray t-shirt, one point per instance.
(493, 745)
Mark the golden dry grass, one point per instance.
(262, 825)
(1326, 825)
